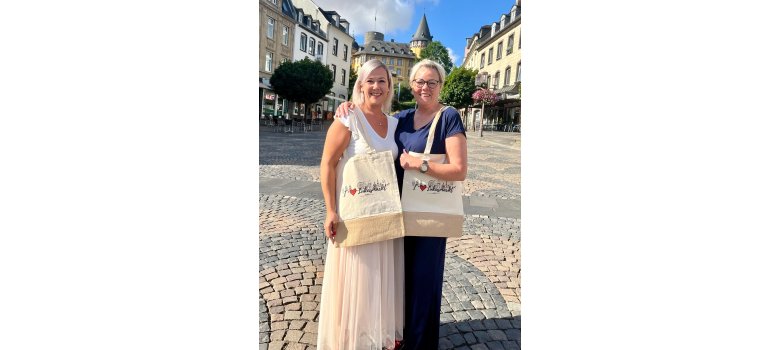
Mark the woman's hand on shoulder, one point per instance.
(344, 109)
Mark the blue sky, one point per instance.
(450, 21)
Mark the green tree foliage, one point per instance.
(303, 81)
(352, 80)
(406, 93)
(458, 88)
(435, 51)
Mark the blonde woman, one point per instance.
(361, 306)
(424, 256)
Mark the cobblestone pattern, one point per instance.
(279, 214)
(493, 171)
(480, 297)
(292, 294)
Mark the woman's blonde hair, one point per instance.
(426, 63)
(362, 73)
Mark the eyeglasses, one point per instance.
(431, 83)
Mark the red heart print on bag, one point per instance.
(423, 187)
(352, 191)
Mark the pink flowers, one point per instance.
(484, 96)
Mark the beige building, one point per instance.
(277, 31)
(398, 57)
(494, 51)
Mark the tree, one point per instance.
(435, 51)
(352, 80)
(304, 81)
(406, 94)
(458, 88)
(483, 97)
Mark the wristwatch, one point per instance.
(424, 166)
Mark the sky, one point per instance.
(450, 21)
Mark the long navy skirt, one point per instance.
(424, 273)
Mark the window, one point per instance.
(273, 1)
(319, 49)
(384, 60)
(507, 74)
(518, 72)
(495, 81)
(333, 69)
(269, 31)
(482, 61)
(343, 77)
(398, 72)
(487, 83)
(285, 35)
(269, 61)
(499, 51)
(490, 56)
(304, 40)
(510, 44)
(346, 49)
(392, 61)
(311, 46)
(335, 47)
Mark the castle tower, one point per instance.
(421, 38)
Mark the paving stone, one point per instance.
(293, 335)
(495, 345)
(513, 334)
(511, 345)
(456, 339)
(297, 324)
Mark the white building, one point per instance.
(337, 55)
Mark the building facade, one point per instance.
(277, 28)
(336, 56)
(494, 51)
(398, 57)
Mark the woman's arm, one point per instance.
(455, 170)
(336, 142)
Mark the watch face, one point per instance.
(424, 167)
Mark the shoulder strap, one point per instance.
(432, 130)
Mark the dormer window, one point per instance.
(373, 48)
(493, 29)
(514, 12)
(503, 21)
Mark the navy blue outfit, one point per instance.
(423, 256)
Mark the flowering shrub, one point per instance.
(484, 96)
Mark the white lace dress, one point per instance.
(361, 305)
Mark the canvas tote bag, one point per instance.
(368, 200)
(432, 207)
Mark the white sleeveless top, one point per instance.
(357, 145)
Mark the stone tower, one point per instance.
(421, 38)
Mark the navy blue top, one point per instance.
(411, 140)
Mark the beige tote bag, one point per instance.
(432, 207)
(368, 200)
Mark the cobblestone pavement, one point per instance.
(481, 291)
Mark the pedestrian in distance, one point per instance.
(424, 256)
(361, 305)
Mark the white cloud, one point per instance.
(455, 58)
(391, 15)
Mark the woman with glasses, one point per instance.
(424, 256)
(361, 305)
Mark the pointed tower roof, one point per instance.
(423, 33)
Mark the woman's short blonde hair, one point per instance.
(362, 73)
(426, 63)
